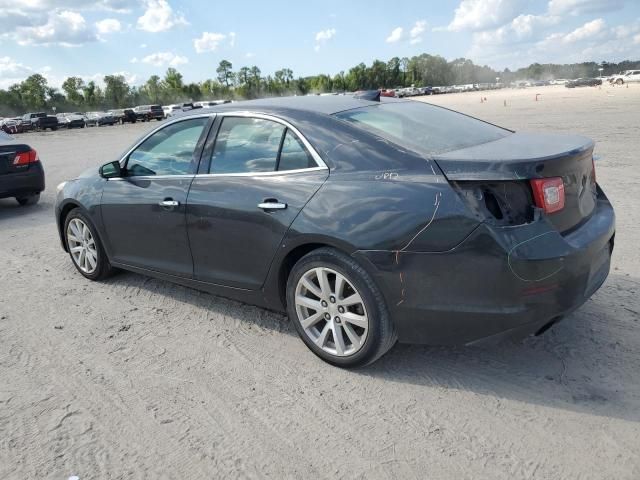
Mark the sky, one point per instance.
(140, 38)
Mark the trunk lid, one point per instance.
(520, 157)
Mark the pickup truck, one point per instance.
(40, 121)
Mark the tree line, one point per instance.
(76, 94)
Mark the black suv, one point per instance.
(126, 115)
(149, 112)
(40, 121)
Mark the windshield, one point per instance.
(423, 128)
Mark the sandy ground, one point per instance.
(138, 378)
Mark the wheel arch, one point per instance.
(276, 285)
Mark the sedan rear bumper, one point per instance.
(499, 282)
(22, 183)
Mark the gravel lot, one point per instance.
(138, 378)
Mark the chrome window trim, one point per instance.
(261, 174)
(264, 116)
(321, 165)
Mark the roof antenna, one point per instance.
(372, 95)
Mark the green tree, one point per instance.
(173, 79)
(116, 90)
(73, 87)
(153, 89)
(225, 74)
(92, 95)
(33, 91)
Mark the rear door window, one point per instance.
(294, 156)
(246, 145)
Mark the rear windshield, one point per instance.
(421, 127)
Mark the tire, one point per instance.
(28, 199)
(102, 268)
(370, 311)
(619, 81)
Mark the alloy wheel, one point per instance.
(331, 311)
(82, 246)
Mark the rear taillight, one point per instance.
(548, 193)
(25, 158)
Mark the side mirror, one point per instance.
(111, 170)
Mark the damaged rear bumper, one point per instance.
(500, 282)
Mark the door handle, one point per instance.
(272, 205)
(169, 203)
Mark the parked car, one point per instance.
(179, 108)
(628, 76)
(361, 245)
(147, 113)
(387, 92)
(40, 121)
(583, 82)
(123, 115)
(71, 120)
(425, 90)
(98, 119)
(211, 103)
(21, 173)
(11, 125)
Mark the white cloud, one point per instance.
(580, 7)
(209, 41)
(143, 45)
(232, 39)
(636, 39)
(395, 36)
(160, 59)
(323, 37)
(134, 60)
(108, 25)
(12, 72)
(478, 15)
(249, 55)
(416, 32)
(586, 31)
(64, 28)
(418, 29)
(159, 17)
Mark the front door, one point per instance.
(261, 175)
(143, 212)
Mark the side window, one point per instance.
(246, 145)
(168, 151)
(294, 155)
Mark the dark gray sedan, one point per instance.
(367, 221)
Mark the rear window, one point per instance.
(421, 127)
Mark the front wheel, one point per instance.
(337, 309)
(619, 81)
(85, 247)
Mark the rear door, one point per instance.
(143, 212)
(258, 175)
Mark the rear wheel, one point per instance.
(28, 199)
(85, 247)
(337, 309)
